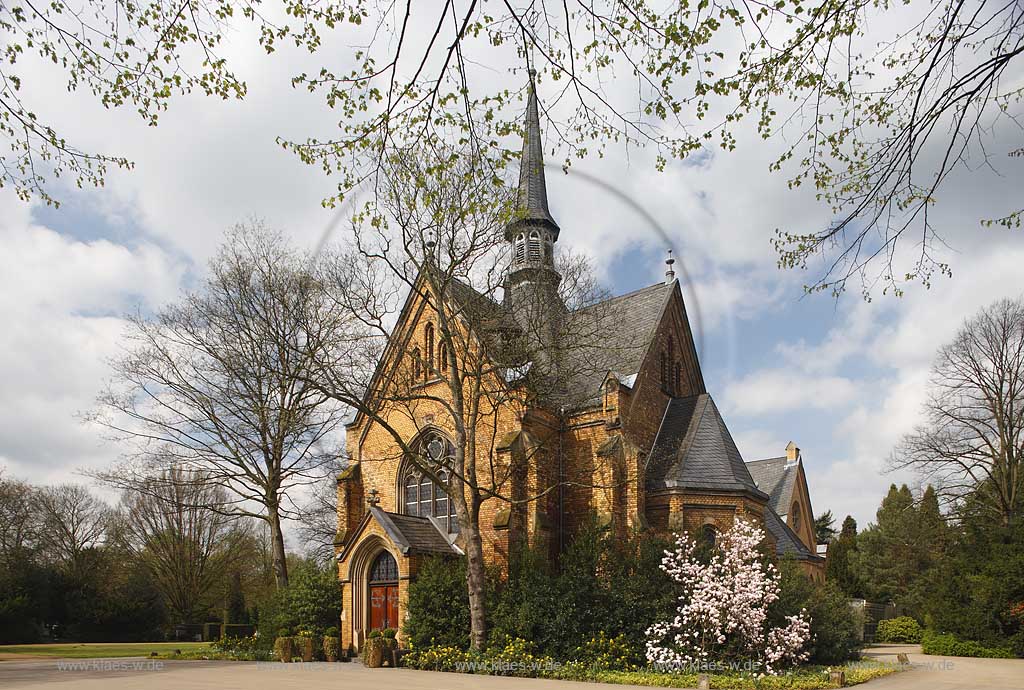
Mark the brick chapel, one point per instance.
(638, 422)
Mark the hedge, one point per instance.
(946, 644)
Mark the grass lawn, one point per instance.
(97, 650)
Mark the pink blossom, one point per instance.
(723, 608)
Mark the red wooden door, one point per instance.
(378, 607)
(393, 607)
(383, 607)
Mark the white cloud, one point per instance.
(61, 307)
(780, 390)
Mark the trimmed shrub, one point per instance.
(904, 630)
(284, 649)
(947, 644)
(236, 630)
(373, 651)
(332, 648)
(211, 632)
(303, 646)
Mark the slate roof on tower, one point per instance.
(532, 207)
(694, 450)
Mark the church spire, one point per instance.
(532, 203)
(531, 285)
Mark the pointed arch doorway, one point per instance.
(383, 591)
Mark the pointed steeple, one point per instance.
(531, 284)
(532, 205)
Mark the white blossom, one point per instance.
(723, 608)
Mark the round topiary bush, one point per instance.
(904, 630)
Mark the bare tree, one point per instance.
(972, 441)
(435, 235)
(186, 544)
(73, 523)
(318, 516)
(218, 384)
(19, 519)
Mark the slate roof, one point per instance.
(787, 543)
(412, 534)
(480, 308)
(694, 450)
(618, 332)
(777, 478)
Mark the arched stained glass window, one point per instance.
(384, 569)
(423, 497)
(443, 356)
(797, 516)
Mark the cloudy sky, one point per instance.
(842, 378)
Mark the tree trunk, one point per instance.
(476, 579)
(277, 547)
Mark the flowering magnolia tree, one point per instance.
(723, 609)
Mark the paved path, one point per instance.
(929, 673)
(946, 673)
(139, 674)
